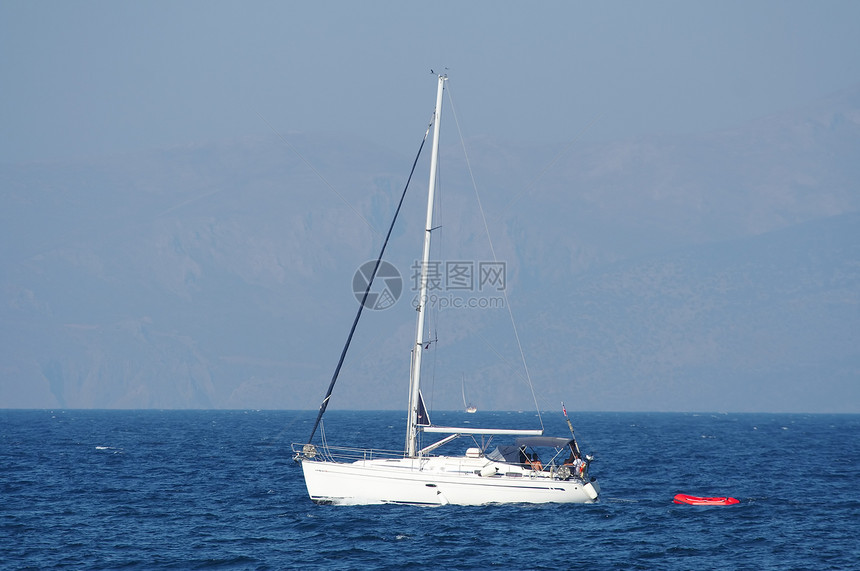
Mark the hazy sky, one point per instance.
(88, 78)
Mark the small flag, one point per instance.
(564, 409)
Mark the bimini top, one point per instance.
(556, 441)
(513, 455)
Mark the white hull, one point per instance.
(438, 480)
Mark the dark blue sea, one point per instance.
(219, 490)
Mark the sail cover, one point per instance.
(423, 417)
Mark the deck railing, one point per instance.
(341, 453)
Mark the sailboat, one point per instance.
(470, 408)
(505, 474)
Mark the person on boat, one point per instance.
(523, 459)
(528, 460)
(577, 465)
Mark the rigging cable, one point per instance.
(495, 260)
(325, 401)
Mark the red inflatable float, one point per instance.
(698, 501)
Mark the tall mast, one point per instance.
(418, 348)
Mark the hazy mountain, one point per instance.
(719, 271)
